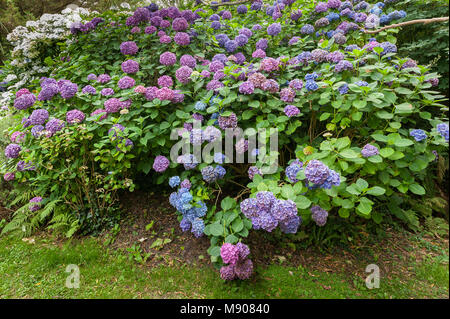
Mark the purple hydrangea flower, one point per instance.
(103, 78)
(12, 150)
(38, 117)
(316, 172)
(130, 66)
(129, 48)
(229, 253)
(442, 129)
(35, 203)
(112, 105)
(24, 101)
(287, 94)
(167, 58)
(227, 121)
(161, 163)
(291, 110)
(183, 74)
(107, 92)
(319, 215)
(182, 38)
(54, 125)
(75, 116)
(274, 29)
(246, 88)
(369, 150)
(292, 170)
(126, 82)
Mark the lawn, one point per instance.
(36, 268)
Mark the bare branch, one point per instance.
(424, 21)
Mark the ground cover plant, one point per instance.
(361, 129)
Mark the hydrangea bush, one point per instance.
(359, 127)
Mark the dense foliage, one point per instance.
(359, 126)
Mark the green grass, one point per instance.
(38, 271)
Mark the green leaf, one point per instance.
(348, 153)
(237, 225)
(386, 152)
(376, 191)
(342, 142)
(361, 184)
(227, 203)
(417, 189)
(302, 202)
(232, 239)
(216, 229)
(403, 142)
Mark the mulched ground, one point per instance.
(141, 209)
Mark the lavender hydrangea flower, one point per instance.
(188, 60)
(442, 129)
(130, 66)
(343, 65)
(307, 29)
(54, 125)
(227, 121)
(287, 95)
(269, 65)
(35, 203)
(112, 105)
(183, 74)
(74, 116)
(246, 88)
(128, 48)
(12, 150)
(319, 215)
(103, 78)
(24, 101)
(160, 164)
(68, 90)
(369, 150)
(291, 110)
(231, 46)
(316, 172)
(36, 130)
(252, 171)
(227, 272)
(126, 82)
(38, 117)
(244, 269)
(48, 92)
(274, 29)
(292, 171)
(182, 38)
(107, 92)
(241, 9)
(167, 58)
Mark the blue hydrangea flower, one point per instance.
(418, 134)
(174, 181)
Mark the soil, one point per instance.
(389, 253)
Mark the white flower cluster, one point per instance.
(49, 27)
(28, 39)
